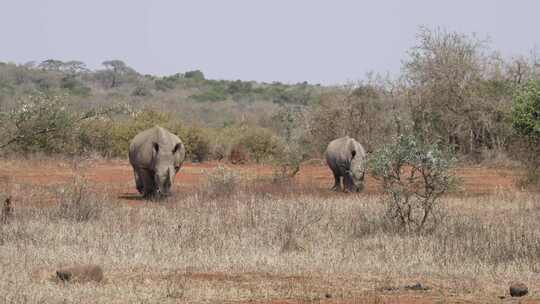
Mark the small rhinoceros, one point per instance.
(347, 158)
(156, 155)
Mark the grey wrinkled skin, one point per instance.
(156, 155)
(347, 159)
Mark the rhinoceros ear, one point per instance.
(156, 147)
(177, 148)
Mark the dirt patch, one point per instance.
(116, 177)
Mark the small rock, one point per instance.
(518, 289)
(80, 274)
(417, 286)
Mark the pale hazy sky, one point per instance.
(284, 40)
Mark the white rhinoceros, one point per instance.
(156, 155)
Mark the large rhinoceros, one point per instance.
(347, 158)
(156, 155)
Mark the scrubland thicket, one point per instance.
(453, 90)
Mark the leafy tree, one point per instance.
(75, 67)
(195, 75)
(51, 65)
(116, 72)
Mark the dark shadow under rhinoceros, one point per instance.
(347, 159)
(156, 155)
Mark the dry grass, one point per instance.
(256, 246)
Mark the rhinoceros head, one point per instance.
(165, 167)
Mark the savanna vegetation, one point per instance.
(240, 238)
(454, 91)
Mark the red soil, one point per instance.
(117, 176)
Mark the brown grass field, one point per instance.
(243, 238)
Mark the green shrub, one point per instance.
(196, 141)
(74, 85)
(526, 111)
(123, 131)
(526, 123)
(165, 84)
(41, 123)
(239, 87)
(213, 94)
(261, 144)
(414, 177)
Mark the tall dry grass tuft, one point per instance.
(221, 182)
(76, 202)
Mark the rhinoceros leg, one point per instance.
(138, 181)
(348, 184)
(337, 182)
(147, 178)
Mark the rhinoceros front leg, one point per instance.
(147, 179)
(348, 184)
(337, 183)
(138, 181)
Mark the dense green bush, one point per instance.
(51, 124)
(213, 94)
(196, 141)
(195, 75)
(526, 123)
(261, 144)
(526, 111)
(41, 123)
(124, 130)
(74, 85)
